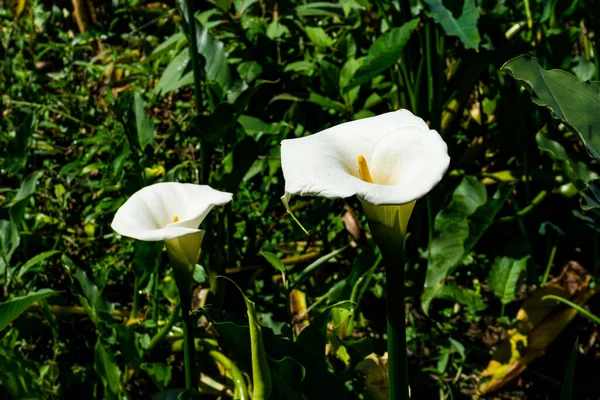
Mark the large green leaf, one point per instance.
(386, 50)
(504, 277)
(11, 309)
(314, 382)
(457, 229)
(574, 102)
(261, 374)
(465, 27)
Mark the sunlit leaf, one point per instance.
(465, 27)
(11, 309)
(386, 50)
(273, 260)
(574, 102)
(504, 277)
(458, 228)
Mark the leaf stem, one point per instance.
(164, 331)
(550, 261)
(240, 391)
(580, 309)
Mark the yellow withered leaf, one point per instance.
(375, 370)
(539, 322)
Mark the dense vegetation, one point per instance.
(100, 98)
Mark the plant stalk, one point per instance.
(394, 261)
(189, 350)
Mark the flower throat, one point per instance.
(363, 170)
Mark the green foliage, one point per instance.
(504, 277)
(89, 117)
(465, 27)
(458, 228)
(574, 102)
(566, 391)
(11, 309)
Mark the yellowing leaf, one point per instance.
(539, 322)
(375, 370)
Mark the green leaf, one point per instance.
(216, 67)
(318, 36)
(576, 171)
(108, 370)
(326, 102)
(469, 298)
(300, 66)
(249, 70)
(172, 77)
(27, 187)
(273, 260)
(315, 382)
(9, 241)
(566, 391)
(261, 374)
(308, 271)
(504, 277)
(465, 27)
(590, 197)
(11, 309)
(574, 102)
(18, 147)
(319, 9)
(143, 123)
(457, 229)
(386, 50)
(35, 260)
(171, 43)
(159, 373)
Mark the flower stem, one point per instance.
(189, 351)
(394, 262)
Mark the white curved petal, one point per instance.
(405, 157)
(149, 214)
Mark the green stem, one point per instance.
(430, 72)
(577, 307)
(136, 299)
(164, 331)
(155, 298)
(240, 391)
(550, 262)
(189, 351)
(394, 261)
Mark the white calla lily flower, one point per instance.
(170, 212)
(388, 161)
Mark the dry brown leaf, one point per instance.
(539, 322)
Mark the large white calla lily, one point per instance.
(170, 212)
(388, 162)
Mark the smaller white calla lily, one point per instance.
(170, 212)
(388, 161)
